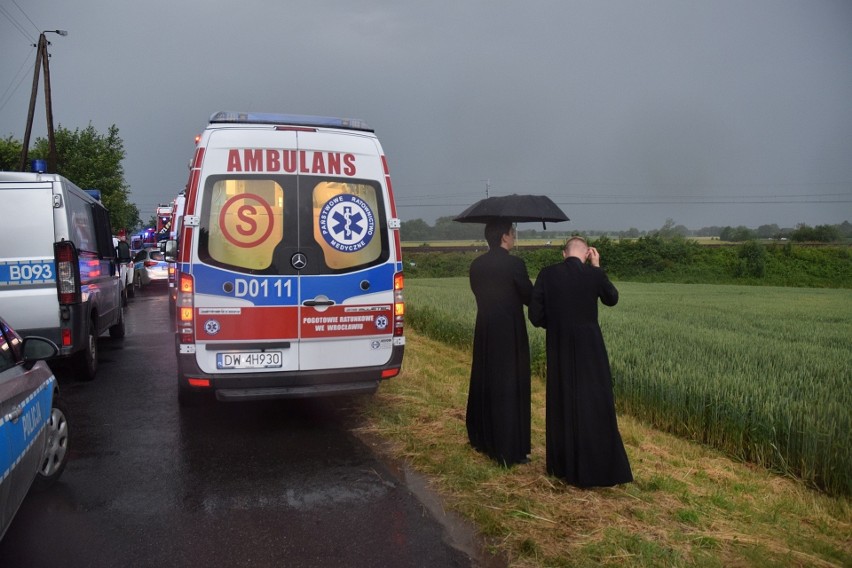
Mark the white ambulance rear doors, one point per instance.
(346, 289)
(293, 268)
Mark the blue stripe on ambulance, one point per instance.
(24, 431)
(262, 290)
(342, 287)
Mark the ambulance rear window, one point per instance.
(256, 224)
(245, 222)
(345, 223)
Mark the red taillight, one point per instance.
(199, 382)
(186, 283)
(185, 311)
(67, 272)
(150, 263)
(66, 338)
(398, 304)
(388, 373)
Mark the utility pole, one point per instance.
(42, 61)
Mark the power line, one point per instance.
(433, 195)
(35, 27)
(19, 77)
(499, 184)
(657, 202)
(690, 196)
(657, 196)
(15, 24)
(707, 202)
(527, 182)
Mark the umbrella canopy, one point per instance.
(515, 208)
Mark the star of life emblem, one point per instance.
(212, 327)
(347, 223)
(381, 322)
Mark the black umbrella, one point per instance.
(515, 208)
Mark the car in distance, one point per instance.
(150, 265)
(34, 431)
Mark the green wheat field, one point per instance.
(763, 374)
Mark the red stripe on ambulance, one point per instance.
(250, 323)
(347, 321)
(192, 186)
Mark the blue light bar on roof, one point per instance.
(288, 119)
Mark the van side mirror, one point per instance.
(170, 251)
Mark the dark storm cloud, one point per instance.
(627, 113)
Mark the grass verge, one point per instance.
(689, 505)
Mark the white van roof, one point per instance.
(29, 176)
(231, 117)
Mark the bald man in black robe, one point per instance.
(584, 446)
(498, 404)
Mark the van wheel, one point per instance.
(117, 331)
(130, 290)
(55, 455)
(87, 358)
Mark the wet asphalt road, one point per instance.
(279, 483)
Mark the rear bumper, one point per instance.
(290, 384)
(76, 322)
(312, 391)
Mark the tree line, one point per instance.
(677, 260)
(445, 229)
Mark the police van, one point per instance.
(58, 274)
(288, 261)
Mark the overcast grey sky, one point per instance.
(626, 113)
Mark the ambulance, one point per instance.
(288, 261)
(174, 230)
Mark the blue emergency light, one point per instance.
(288, 119)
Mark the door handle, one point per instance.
(310, 303)
(15, 414)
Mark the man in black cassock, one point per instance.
(584, 447)
(498, 402)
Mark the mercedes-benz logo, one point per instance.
(298, 261)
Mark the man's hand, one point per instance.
(594, 257)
